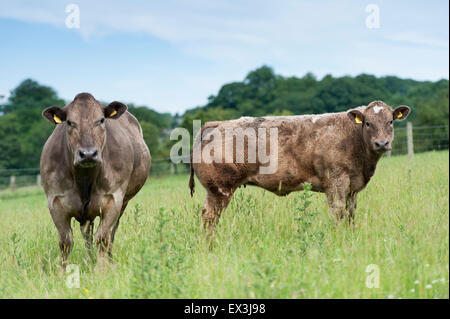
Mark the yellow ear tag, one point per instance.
(358, 120)
(56, 119)
(113, 113)
(399, 115)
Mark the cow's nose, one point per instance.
(88, 154)
(381, 144)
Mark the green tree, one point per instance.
(23, 131)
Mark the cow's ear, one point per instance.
(54, 114)
(355, 116)
(114, 110)
(401, 112)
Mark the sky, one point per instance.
(171, 55)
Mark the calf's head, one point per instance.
(377, 124)
(84, 124)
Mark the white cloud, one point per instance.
(216, 30)
(223, 30)
(418, 38)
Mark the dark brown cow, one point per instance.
(94, 162)
(336, 153)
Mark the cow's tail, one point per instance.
(191, 178)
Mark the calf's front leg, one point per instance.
(351, 206)
(337, 197)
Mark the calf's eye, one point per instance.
(390, 122)
(102, 120)
(367, 124)
(69, 123)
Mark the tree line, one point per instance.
(23, 131)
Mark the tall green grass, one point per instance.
(264, 247)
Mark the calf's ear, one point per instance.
(355, 116)
(54, 114)
(114, 110)
(401, 112)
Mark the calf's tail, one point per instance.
(191, 178)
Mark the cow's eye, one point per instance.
(69, 123)
(367, 124)
(390, 122)
(102, 120)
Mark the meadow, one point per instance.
(264, 246)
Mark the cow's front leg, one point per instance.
(109, 217)
(61, 219)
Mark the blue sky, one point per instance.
(171, 55)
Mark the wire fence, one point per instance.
(20, 177)
(423, 138)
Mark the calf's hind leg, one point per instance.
(213, 206)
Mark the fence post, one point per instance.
(409, 136)
(12, 183)
(38, 180)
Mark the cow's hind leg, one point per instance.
(113, 235)
(213, 206)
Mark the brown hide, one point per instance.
(92, 164)
(336, 153)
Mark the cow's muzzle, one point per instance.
(382, 146)
(87, 158)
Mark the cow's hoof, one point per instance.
(102, 265)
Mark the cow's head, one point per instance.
(84, 123)
(377, 121)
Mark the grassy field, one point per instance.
(265, 246)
